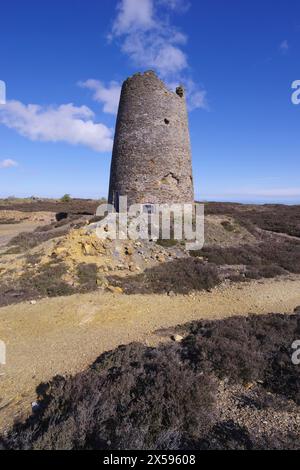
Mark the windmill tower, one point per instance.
(151, 161)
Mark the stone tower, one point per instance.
(151, 161)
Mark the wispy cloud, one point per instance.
(284, 47)
(197, 97)
(64, 123)
(133, 15)
(109, 95)
(178, 5)
(147, 38)
(145, 34)
(8, 163)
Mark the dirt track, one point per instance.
(65, 334)
(26, 223)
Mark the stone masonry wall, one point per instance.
(151, 160)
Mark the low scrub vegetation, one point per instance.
(47, 282)
(110, 405)
(273, 217)
(180, 276)
(246, 349)
(10, 221)
(264, 259)
(87, 276)
(66, 198)
(266, 255)
(27, 240)
(72, 205)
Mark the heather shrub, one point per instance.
(270, 217)
(228, 435)
(129, 405)
(27, 240)
(282, 376)
(264, 259)
(247, 349)
(226, 348)
(137, 397)
(10, 221)
(47, 282)
(180, 276)
(87, 276)
(63, 219)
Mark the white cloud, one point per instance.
(198, 100)
(196, 97)
(133, 15)
(148, 39)
(176, 5)
(109, 96)
(151, 50)
(284, 47)
(8, 163)
(64, 123)
(145, 34)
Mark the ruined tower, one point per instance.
(151, 161)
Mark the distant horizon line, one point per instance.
(269, 201)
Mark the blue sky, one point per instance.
(63, 62)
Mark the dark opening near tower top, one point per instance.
(151, 161)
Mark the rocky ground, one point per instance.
(67, 296)
(65, 256)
